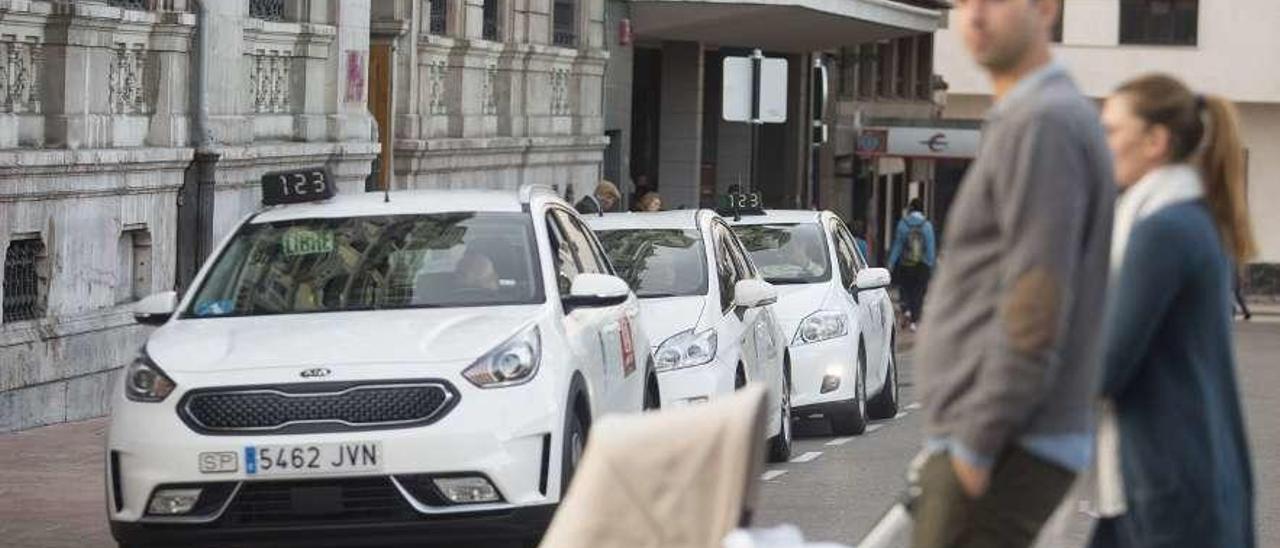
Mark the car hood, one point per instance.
(666, 316)
(796, 302)
(345, 338)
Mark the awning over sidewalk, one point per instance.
(780, 25)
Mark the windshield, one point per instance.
(787, 254)
(363, 263)
(658, 263)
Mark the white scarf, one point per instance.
(1162, 187)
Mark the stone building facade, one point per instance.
(493, 93)
(100, 187)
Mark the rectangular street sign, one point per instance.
(770, 94)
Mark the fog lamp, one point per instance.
(467, 490)
(173, 502)
(830, 383)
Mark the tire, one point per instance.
(780, 445)
(885, 404)
(652, 398)
(852, 421)
(575, 440)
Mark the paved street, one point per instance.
(51, 487)
(849, 483)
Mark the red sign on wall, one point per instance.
(355, 77)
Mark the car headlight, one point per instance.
(686, 349)
(511, 363)
(821, 326)
(145, 382)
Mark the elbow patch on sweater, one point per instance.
(1030, 311)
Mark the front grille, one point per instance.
(309, 408)
(352, 500)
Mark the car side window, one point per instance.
(859, 262)
(566, 261)
(845, 257)
(580, 244)
(725, 269)
(597, 249)
(741, 260)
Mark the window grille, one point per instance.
(439, 17)
(267, 10)
(564, 24)
(23, 285)
(129, 4)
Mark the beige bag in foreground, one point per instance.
(682, 478)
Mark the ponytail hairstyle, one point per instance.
(1204, 131)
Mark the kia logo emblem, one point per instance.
(316, 373)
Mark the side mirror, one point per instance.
(873, 278)
(596, 290)
(156, 309)
(754, 293)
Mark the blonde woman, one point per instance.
(1179, 459)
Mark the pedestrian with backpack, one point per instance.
(912, 258)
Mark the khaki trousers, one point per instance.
(1024, 492)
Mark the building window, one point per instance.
(1057, 25)
(886, 69)
(267, 10)
(1159, 22)
(905, 66)
(924, 67)
(133, 280)
(128, 4)
(867, 59)
(564, 26)
(438, 17)
(491, 30)
(26, 280)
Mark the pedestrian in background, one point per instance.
(649, 202)
(1010, 345)
(1169, 367)
(604, 199)
(912, 258)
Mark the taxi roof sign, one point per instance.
(297, 186)
(738, 204)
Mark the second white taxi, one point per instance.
(706, 308)
(419, 367)
(836, 311)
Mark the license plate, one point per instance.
(314, 458)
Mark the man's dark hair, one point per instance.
(915, 205)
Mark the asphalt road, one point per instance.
(51, 480)
(838, 488)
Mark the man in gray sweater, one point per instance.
(1009, 348)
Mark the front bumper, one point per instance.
(812, 363)
(517, 523)
(517, 448)
(697, 384)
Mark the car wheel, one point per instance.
(852, 420)
(885, 404)
(575, 441)
(780, 445)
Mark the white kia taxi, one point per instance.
(706, 309)
(418, 367)
(835, 310)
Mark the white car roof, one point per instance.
(679, 219)
(778, 216)
(402, 202)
